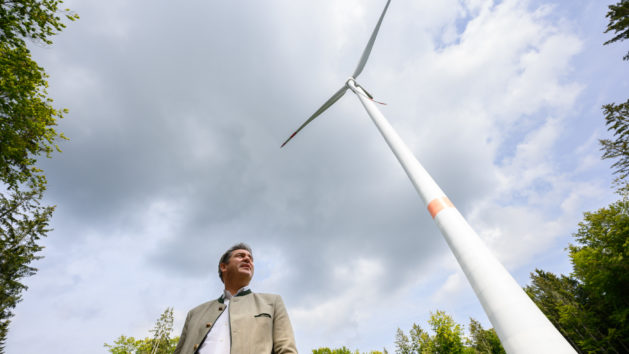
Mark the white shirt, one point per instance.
(218, 341)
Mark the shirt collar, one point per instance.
(227, 295)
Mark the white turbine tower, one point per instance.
(521, 326)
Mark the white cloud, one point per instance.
(338, 316)
(452, 287)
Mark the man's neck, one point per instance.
(233, 285)
(233, 289)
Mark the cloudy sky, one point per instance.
(177, 113)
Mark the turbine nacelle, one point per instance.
(359, 69)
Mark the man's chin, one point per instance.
(247, 272)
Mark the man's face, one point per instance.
(239, 267)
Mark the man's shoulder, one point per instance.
(274, 300)
(204, 305)
(266, 295)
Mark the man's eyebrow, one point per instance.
(244, 254)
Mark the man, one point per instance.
(239, 321)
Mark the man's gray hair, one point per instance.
(228, 254)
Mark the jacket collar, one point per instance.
(242, 292)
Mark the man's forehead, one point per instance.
(241, 251)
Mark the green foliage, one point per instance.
(161, 332)
(33, 19)
(127, 345)
(591, 307)
(601, 264)
(130, 345)
(447, 337)
(161, 343)
(618, 15)
(343, 350)
(617, 115)
(22, 223)
(420, 340)
(27, 121)
(617, 121)
(559, 299)
(483, 340)
(326, 350)
(27, 116)
(402, 343)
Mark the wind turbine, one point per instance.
(521, 326)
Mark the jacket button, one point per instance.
(220, 308)
(208, 325)
(196, 346)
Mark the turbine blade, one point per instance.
(325, 106)
(367, 51)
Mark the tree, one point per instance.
(420, 340)
(484, 340)
(591, 307)
(31, 19)
(617, 115)
(618, 15)
(617, 121)
(559, 298)
(325, 350)
(128, 345)
(402, 343)
(22, 223)
(600, 262)
(27, 121)
(342, 350)
(448, 337)
(161, 343)
(161, 332)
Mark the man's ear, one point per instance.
(223, 267)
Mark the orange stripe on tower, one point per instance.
(438, 204)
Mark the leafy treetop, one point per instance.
(33, 19)
(618, 15)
